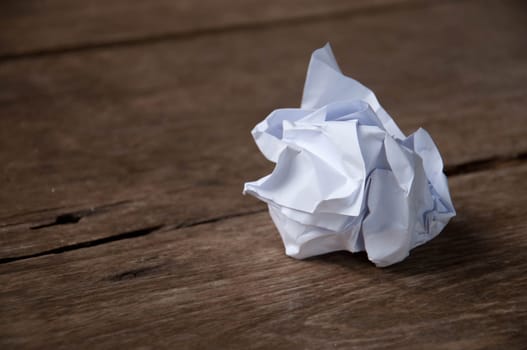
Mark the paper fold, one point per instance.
(346, 177)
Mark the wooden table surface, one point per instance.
(124, 146)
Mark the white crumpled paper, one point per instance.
(346, 177)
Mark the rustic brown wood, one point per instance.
(48, 25)
(33, 233)
(229, 285)
(163, 129)
(124, 144)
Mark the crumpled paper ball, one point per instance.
(346, 177)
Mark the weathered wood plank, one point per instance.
(43, 25)
(166, 126)
(34, 233)
(229, 284)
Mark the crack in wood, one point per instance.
(125, 235)
(485, 164)
(81, 245)
(63, 219)
(75, 217)
(200, 32)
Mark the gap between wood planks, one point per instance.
(118, 237)
(191, 34)
(475, 166)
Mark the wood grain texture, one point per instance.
(229, 285)
(46, 25)
(163, 129)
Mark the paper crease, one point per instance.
(346, 177)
